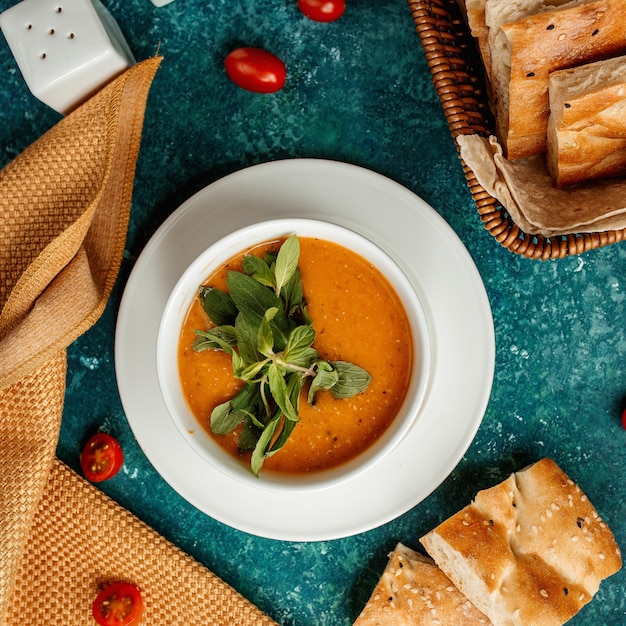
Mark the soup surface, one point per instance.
(357, 317)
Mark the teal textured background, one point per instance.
(359, 91)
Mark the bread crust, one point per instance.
(496, 49)
(542, 43)
(587, 124)
(413, 590)
(530, 551)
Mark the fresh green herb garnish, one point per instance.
(262, 323)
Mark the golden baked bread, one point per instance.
(527, 41)
(587, 124)
(530, 551)
(413, 590)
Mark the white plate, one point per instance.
(455, 303)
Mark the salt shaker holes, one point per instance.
(65, 49)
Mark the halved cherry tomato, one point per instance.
(119, 604)
(322, 10)
(101, 458)
(255, 69)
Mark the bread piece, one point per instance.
(486, 19)
(530, 551)
(587, 124)
(413, 590)
(524, 52)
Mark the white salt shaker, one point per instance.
(66, 50)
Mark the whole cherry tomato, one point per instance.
(624, 419)
(255, 69)
(101, 458)
(322, 10)
(120, 604)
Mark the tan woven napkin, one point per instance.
(64, 210)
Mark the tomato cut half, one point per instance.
(101, 458)
(255, 69)
(119, 604)
(322, 10)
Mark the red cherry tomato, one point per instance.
(101, 458)
(624, 419)
(119, 604)
(255, 69)
(322, 10)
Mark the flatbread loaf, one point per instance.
(525, 50)
(526, 190)
(587, 124)
(530, 551)
(413, 590)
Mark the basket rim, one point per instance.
(457, 75)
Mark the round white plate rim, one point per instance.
(443, 273)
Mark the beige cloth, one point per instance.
(524, 187)
(64, 211)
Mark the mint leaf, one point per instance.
(283, 436)
(280, 393)
(258, 269)
(253, 300)
(218, 305)
(270, 258)
(247, 396)
(247, 339)
(298, 346)
(250, 434)
(217, 338)
(251, 373)
(259, 453)
(293, 296)
(242, 407)
(295, 383)
(352, 379)
(325, 378)
(239, 364)
(286, 262)
(265, 338)
(303, 360)
(225, 419)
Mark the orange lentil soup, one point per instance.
(357, 317)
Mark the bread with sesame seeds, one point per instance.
(413, 590)
(530, 551)
(587, 124)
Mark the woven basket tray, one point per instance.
(458, 77)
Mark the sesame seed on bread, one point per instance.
(413, 590)
(530, 551)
